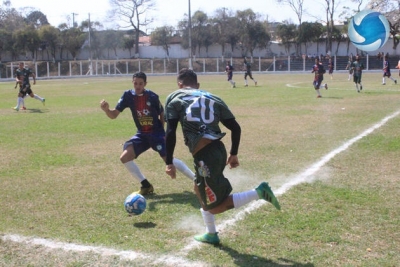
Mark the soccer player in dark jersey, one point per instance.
(331, 67)
(229, 73)
(386, 71)
(22, 75)
(148, 116)
(357, 66)
(247, 69)
(199, 113)
(318, 70)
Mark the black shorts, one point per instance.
(210, 163)
(25, 89)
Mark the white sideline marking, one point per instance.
(170, 260)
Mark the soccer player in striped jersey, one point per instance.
(148, 116)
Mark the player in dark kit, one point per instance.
(386, 71)
(22, 78)
(148, 115)
(199, 113)
(229, 73)
(247, 69)
(357, 67)
(318, 70)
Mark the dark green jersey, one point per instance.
(199, 113)
(24, 73)
(357, 67)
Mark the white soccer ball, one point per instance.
(369, 30)
(135, 204)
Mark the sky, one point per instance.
(167, 12)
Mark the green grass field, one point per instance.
(61, 178)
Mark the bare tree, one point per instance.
(129, 13)
(298, 7)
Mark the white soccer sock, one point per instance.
(232, 82)
(181, 166)
(242, 198)
(318, 92)
(135, 171)
(245, 82)
(38, 97)
(209, 221)
(383, 80)
(19, 100)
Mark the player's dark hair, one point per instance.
(141, 75)
(187, 77)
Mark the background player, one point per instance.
(386, 71)
(22, 75)
(318, 70)
(247, 69)
(357, 67)
(229, 73)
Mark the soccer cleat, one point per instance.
(207, 238)
(255, 83)
(395, 81)
(23, 108)
(360, 87)
(265, 192)
(326, 86)
(245, 85)
(234, 85)
(383, 83)
(16, 108)
(319, 96)
(145, 190)
(44, 102)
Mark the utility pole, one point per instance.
(190, 39)
(90, 48)
(73, 19)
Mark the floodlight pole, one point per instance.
(90, 49)
(190, 39)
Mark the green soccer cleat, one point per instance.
(44, 102)
(16, 108)
(145, 190)
(265, 192)
(207, 238)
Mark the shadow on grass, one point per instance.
(184, 197)
(254, 261)
(36, 110)
(145, 225)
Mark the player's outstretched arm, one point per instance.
(112, 114)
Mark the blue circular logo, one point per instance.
(369, 30)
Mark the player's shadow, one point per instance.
(145, 225)
(36, 110)
(246, 260)
(181, 198)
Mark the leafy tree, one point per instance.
(162, 36)
(220, 27)
(199, 30)
(252, 32)
(74, 39)
(287, 33)
(49, 37)
(311, 32)
(37, 19)
(130, 13)
(128, 43)
(111, 41)
(27, 39)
